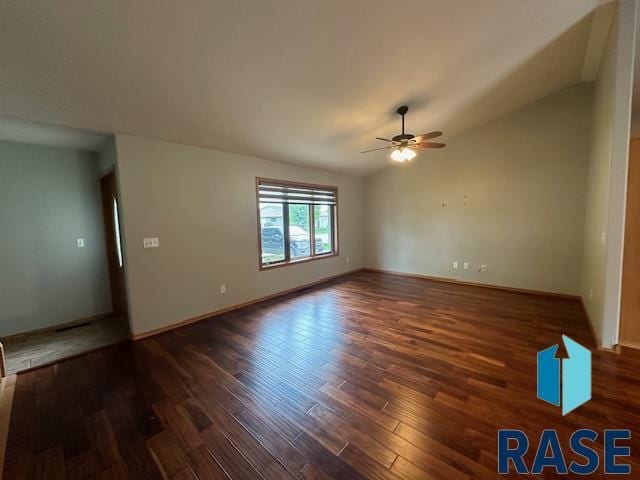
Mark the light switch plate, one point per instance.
(151, 242)
(455, 264)
(465, 265)
(80, 242)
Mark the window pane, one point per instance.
(323, 228)
(299, 227)
(272, 232)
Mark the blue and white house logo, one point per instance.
(565, 382)
(575, 389)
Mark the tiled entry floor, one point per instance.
(30, 351)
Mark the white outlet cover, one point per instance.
(223, 289)
(80, 242)
(455, 264)
(151, 242)
(465, 265)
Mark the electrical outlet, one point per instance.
(151, 242)
(483, 268)
(455, 264)
(223, 289)
(80, 242)
(465, 265)
(347, 259)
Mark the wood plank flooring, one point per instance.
(368, 376)
(33, 350)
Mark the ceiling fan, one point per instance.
(404, 145)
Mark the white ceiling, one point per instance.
(25, 131)
(300, 81)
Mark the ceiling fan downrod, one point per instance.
(402, 111)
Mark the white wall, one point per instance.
(202, 205)
(606, 193)
(49, 197)
(509, 194)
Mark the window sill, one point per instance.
(298, 261)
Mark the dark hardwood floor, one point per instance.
(369, 376)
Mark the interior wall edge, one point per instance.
(619, 168)
(607, 179)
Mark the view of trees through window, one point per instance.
(323, 228)
(292, 228)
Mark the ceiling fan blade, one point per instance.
(384, 139)
(430, 145)
(427, 136)
(375, 149)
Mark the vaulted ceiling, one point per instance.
(309, 82)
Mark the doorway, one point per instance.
(86, 307)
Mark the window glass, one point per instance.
(296, 221)
(323, 231)
(299, 231)
(272, 232)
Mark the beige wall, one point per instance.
(606, 192)
(509, 194)
(49, 197)
(202, 205)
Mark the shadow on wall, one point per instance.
(509, 94)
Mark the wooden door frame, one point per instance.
(109, 237)
(630, 293)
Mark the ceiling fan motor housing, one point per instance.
(404, 137)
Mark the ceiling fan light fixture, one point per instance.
(397, 156)
(409, 154)
(402, 154)
(403, 145)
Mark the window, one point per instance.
(297, 222)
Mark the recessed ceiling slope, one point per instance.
(24, 131)
(311, 81)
